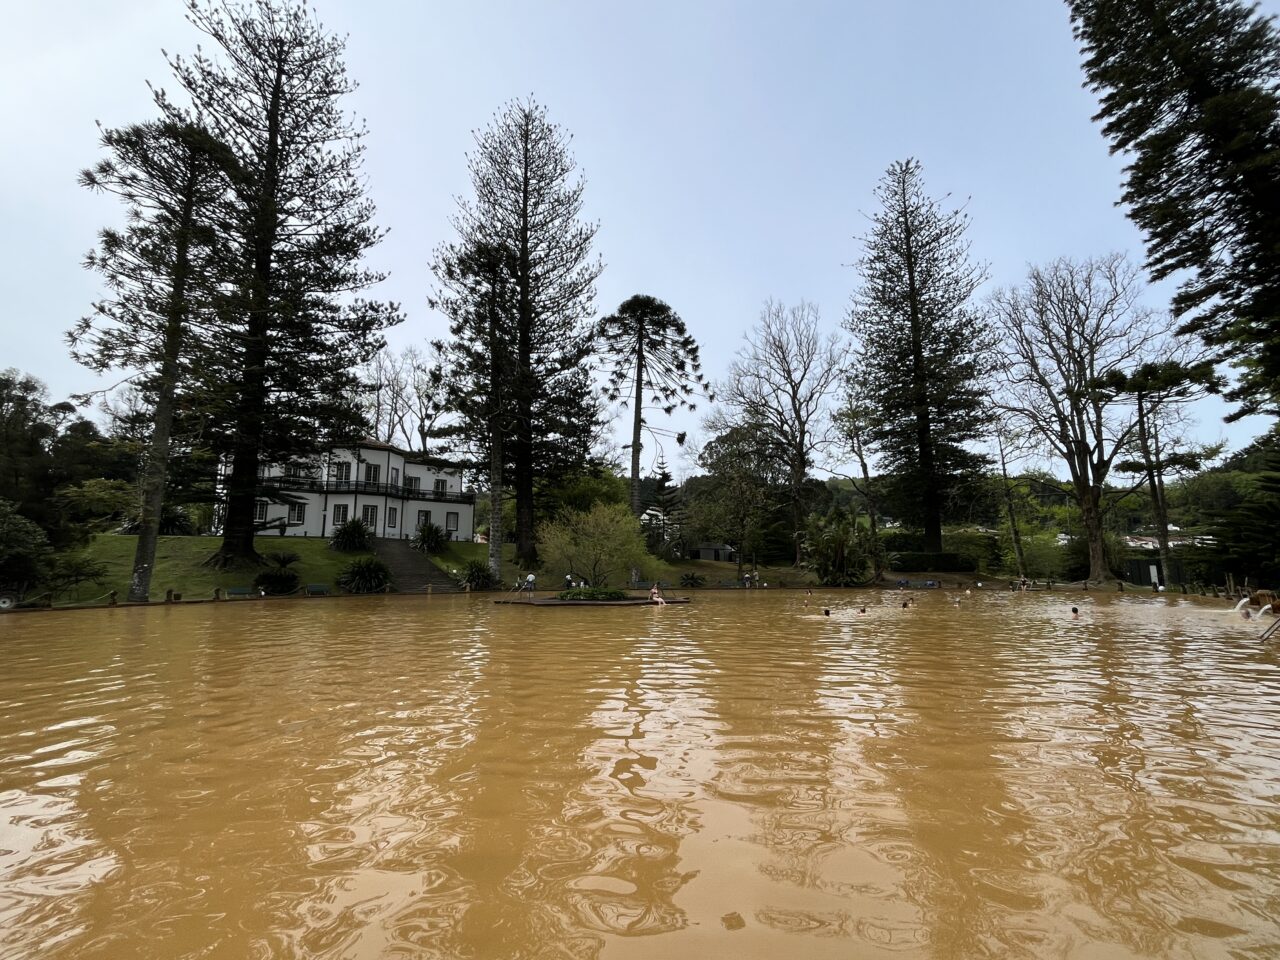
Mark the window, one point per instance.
(392, 516)
(342, 472)
(441, 485)
(369, 514)
(424, 517)
(395, 476)
(292, 470)
(339, 514)
(259, 511)
(451, 521)
(372, 472)
(297, 513)
(412, 483)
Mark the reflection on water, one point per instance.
(440, 777)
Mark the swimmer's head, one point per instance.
(826, 612)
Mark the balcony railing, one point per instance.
(316, 485)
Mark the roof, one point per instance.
(413, 456)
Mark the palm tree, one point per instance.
(652, 354)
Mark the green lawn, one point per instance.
(457, 553)
(180, 564)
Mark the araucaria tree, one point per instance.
(163, 272)
(296, 223)
(650, 353)
(527, 214)
(917, 367)
(780, 386)
(1190, 92)
(1071, 337)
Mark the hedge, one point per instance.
(934, 562)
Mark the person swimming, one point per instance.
(826, 611)
(1075, 613)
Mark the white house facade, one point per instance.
(393, 491)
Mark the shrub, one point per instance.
(365, 575)
(70, 570)
(476, 575)
(351, 537)
(592, 593)
(277, 581)
(430, 538)
(982, 548)
(283, 558)
(901, 541)
(933, 562)
(692, 579)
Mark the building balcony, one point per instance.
(400, 491)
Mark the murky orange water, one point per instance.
(741, 777)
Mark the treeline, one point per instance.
(236, 300)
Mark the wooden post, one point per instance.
(168, 595)
(111, 598)
(217, 593)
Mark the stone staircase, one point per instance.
(412, 571)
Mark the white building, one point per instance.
(393, 491)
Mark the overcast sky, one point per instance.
(730, 148)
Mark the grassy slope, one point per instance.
(456, 554)
(180, 564)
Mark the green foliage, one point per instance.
(477, 575)
(277, 581)
(921, 354)
(24, 550)
(930, 562)
(837, 548)
(901, 540)
(980, 549)
(430, 538)
(1043, 557)
(1188, 93)
(692, 580)
(68, 571)
(365, 575)
(664, 523)
(353, 536)
(1247, 538)
(592, 593)
(650, 354)
(601, 544)
(522, 272)
(1076, 556)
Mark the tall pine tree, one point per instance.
(1190, 92)
(297, 224)
(527, 211)
(917, 365)
(162, 272)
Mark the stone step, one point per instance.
(411, 570)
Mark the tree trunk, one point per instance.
(1149, 445)
(242, 484)
(636, 424)
(920, 381)
(495, 499)
(1091, 512)
(1015, 533)
(156, 472)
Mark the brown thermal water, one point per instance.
(740, 777)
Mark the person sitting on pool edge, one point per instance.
(655, 595)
